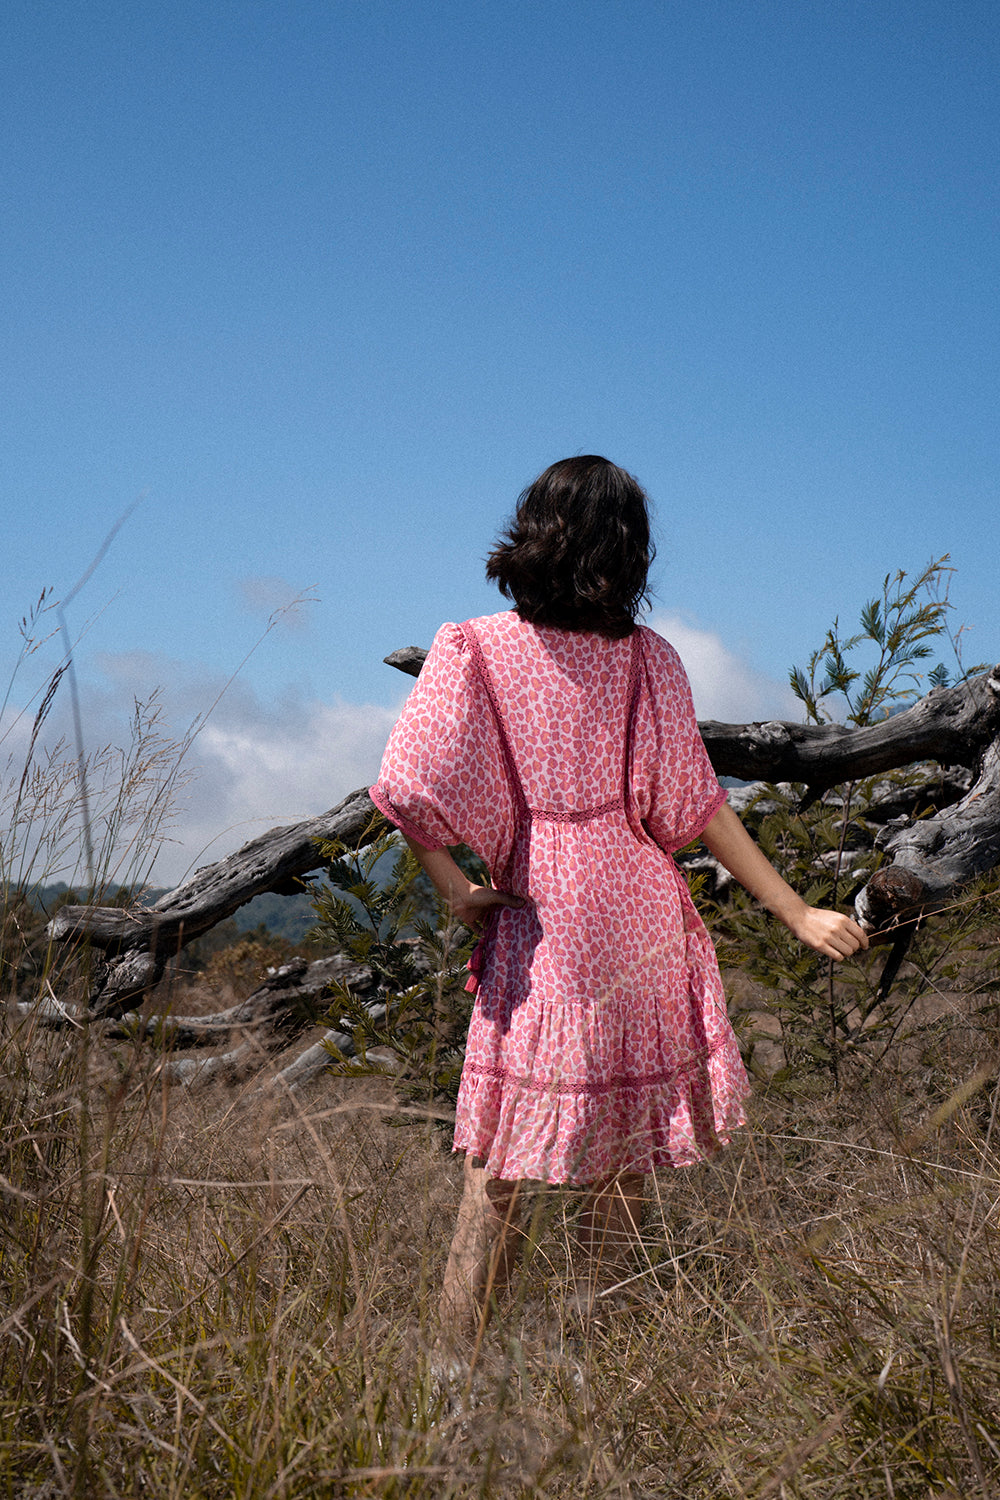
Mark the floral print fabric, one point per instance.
(572, 764)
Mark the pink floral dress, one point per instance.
(572, 764)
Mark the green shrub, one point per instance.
(378, 911)
(825, 846)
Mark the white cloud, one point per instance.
(251, 765)
(253, 773)
(724, 686)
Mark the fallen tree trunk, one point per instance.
(269, 1019)
(288, 1002)
(930, 859)
(138, 943)
(952, 726)
(289, 998)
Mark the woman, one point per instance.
(558, 740)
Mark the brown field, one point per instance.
(230, 1294)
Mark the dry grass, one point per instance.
(221, 1295)
(228, 1294)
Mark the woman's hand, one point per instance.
(831, 933)
(468, 902)
(472, 906)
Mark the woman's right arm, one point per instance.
(832, 933)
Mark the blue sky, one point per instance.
(323, 285)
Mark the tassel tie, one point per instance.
(477, 958)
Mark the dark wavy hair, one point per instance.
(578, 550)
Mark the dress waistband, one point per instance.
(585, 815)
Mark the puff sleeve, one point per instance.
(675, 791)
(442, 779)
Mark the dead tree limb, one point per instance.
(138, 943)
(249, 1057)
(952, 726)
(929, 859)
(408, 659)
(284, 1005)
(288, 1001)
(932, 859)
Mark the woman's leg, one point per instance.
(607, 1231)
(483, 1252)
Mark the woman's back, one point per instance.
(563, 697)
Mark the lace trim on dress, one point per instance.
(639, 1081)
(588, 814)
(389, 810)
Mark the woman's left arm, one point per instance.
(466, 900)
(830, 932)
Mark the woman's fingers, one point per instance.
(831, 933)
(472, 908)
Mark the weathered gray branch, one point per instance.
(247, 1059)
(287, 1002)
(408, 659)
(283, 1005)
(950, 725)
(138, 943)
(930, 859)
(289, 997)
